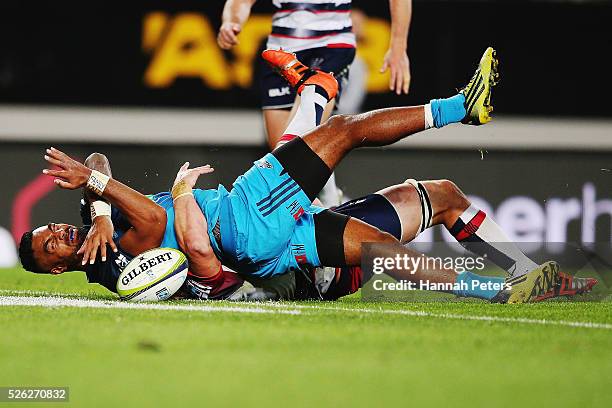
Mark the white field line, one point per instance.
(418, 313)
(46, 299)
(57, 301)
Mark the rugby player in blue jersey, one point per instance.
(257, 226)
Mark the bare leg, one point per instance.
(451, 208)
(447, 201)
(302, 119)
(466, 283)
(358, 232)
(275, 122)
(335, 138)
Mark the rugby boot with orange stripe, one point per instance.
(299, 75)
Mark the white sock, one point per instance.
(308, 115)
(480, 234)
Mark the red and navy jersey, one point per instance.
(107, 273)
(305, 24)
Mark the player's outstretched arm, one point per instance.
(396, 58)
(190, 224)
(235, 14)
(148, 219)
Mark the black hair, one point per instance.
(26, 254)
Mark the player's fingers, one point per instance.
(228, 36)
(224, 44)
(223, 33)
(94, 252)
(58, 154)
(54, 173)
(393, 79)
(221, 41)
(384, 67)
(103, 250)
(206, 170)
(232, 36)
(184, 166)
(85, 249)
(64, 184)
(53, 152)
(406, 83)
(52, 160)
(399, 81)
(203, 169)
(113, 245)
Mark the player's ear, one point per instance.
(58, 269)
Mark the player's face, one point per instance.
(55, 246)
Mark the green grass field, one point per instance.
(347, 353)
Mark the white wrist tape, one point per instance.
(99, 209)
(429, 122)
(97, 182)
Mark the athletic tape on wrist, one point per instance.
(429, 121)
(99, 209)
(180, 189)
(97, 182)
(182, 195)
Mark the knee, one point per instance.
(338, 124)
(449, 187)
(383, 237)
(453, 196)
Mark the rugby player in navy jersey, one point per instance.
(320, 33)
(257, 226)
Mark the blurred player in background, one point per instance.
(320, 33)
(355, 90)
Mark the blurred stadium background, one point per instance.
(145, 83)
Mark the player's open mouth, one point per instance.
(72, 234)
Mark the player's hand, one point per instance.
(100, 234)
(228, 35)
(397, 61)
(190, 176)
(71, 174)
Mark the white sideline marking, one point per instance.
(418, 313)
(46, 299)
(58, 301)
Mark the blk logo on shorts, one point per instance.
(274, 92)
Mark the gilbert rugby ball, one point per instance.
(153, 276)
